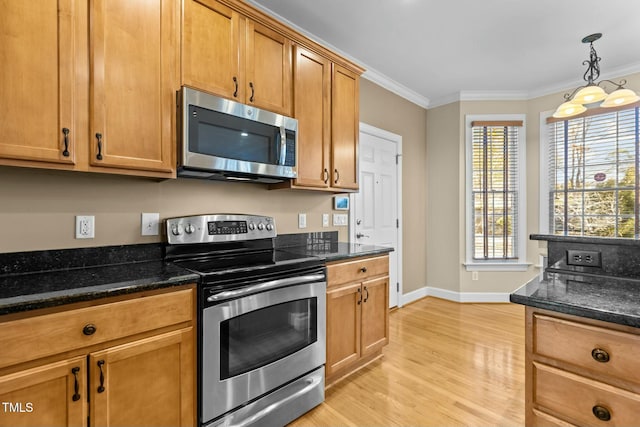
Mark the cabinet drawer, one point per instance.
(605, 351)
(357, 270)
(577, 398)
(49, 334)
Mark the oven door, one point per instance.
(251, 345)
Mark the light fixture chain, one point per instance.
(593, 71)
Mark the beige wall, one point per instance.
(37, 207)
(385, 110)
(446, 192)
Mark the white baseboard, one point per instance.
(455, 296)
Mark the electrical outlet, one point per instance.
(584, 258)
(302, 220)
(85, 226)
(150, 224)
(474, 275)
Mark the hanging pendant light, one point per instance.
(592, 94)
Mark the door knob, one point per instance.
(360, 235)
(358, 221)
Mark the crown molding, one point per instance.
(391, 85)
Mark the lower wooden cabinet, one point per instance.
(357, 314)
(580, 371)
(143, 375)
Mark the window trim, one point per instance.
(519, 264)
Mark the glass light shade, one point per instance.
(620, 97)
(569, 109)
(589, 95)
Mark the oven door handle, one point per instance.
(272, 284)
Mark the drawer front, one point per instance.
(601, 350)
(49, 334)
(578, 398)
(357, 270)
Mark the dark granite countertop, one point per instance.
(39, 279)
(30, 291)
(336, 251)
(605, 298)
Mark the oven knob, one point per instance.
(269, 227)
(189, 229)
(260, 226)
(252, 226)
(175, 230)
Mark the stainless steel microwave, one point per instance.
(222, 139)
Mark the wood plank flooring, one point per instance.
(447, 364)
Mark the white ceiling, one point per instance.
(434, 51)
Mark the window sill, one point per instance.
(497, 266)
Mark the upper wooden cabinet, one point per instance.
(326, 104)
(312, 101)
(106, 68)
(345, 124)
(133, 80)
(230, 55)
(37, 75)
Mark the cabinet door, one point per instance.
(211, 37)
(345, 126)
(48, 395)
(312, 103)
(149, 382)
(343, 326)
(37, 41)
(133, 54)
(268, 69)
(375, 315)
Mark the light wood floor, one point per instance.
(447, 364)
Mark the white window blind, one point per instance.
(494, 192)
(593, 175)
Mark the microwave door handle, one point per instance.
(283, 145)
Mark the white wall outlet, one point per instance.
(150, 224)
(325, 220)
(85, 226)
(340, 219)
(302, 220)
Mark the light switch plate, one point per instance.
(302, 220)
(150, 224)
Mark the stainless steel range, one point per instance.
(261, 320)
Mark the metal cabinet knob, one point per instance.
(602, 413)
(89, 329)
(600, 355)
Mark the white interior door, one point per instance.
(375, 218)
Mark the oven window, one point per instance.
(260, 337)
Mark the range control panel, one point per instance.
(219, 228)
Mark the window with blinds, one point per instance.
(494, 189)
(593, 174)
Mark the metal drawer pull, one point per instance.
(235, 82)
(76, 385)
(359, 296)
(367, 291)
(89, 329)
(602, 413)
(252, 91)
(600, 355)
(101, 386)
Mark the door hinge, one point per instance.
(397, 286)
(397, 223)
